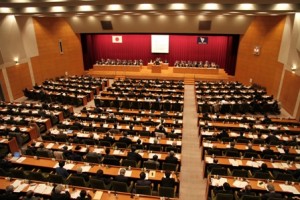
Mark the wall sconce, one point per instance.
(256, 50)
(293, 68)
(16, 61)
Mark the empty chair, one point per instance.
(90, 141)
(219, 171)
(36, 176)
(76, 181)
(216, 152)
(166, 192)
(92, 158)
(147, 190)
(98, 184)
(103, 143)
(61, 138)
(170, 167)
(3, 172)
(120, 145)
(230, 153)
(251, 154)
(249, 197)
(155, 148)
(239, 173)
(110, 161)
(18, 173)
(262, 175)
(150, 165)
(284, 177)
(221, 196)
(55, 178)
(121, 186)
(128, 163)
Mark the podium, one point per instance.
(156, 69)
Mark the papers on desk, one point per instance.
(240, 184)
(218, 182)
(252, 164)
(176, 131)
(75, 194)
(3, 140)
(170, 142)
(20, 160)
(37, 144)
(68, 166)
(21, 187)
(83, 135)
(259, 126)
(152, 154)
(85, 168)
(285, 138)
(178, 156)
(280, 150)
(54, 131)
(235, 163)
(210, 145)
(98, 150)
(289, 188)
(297, 166)
(280, 165)
(209, 160)
(298, 151)
(233, 134)
(286, 128)
(83, 149)
(262, 148)
(105, 125)
(118, 152)
(285, 165)
(207, 133)
(50, 145)
(16, 183)
(151, 140)
(142, 154)
(98, 195)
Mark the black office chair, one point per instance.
(223, 196)
(166, 192)
(42, 153)
(103, 143)
(147, 190)
(240, 173)
(77, 181)
(216, 152)
(150, 165)
(121, 186)
(120, 145)
(92, 159)
(284, 177)
(249, 197)
(110, 161)
(230, 153)
(36, 176)
(251, 154)
(262, 175)
(170, 167)
(219, 171)
(18, 173)
(98, 184)
(55, 178)
(127, 163)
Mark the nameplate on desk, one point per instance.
(98, 195)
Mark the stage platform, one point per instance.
(153, 72)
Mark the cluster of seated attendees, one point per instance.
(200, 64)
(153, 97)
(233, 97)
(65, 92)
(258, 150)
(109, 61)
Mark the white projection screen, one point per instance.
(159, 43)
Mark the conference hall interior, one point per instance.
(150, 100)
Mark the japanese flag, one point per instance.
(117, 39)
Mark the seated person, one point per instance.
(154, 160)
(167, 181)
(9, 193)
(171, 158)
(142, 181)
(108, 138)
(43, 148)
(225, 189)
(100, 176)
(125, 139)
(84, 195)
(133, 155)
(246, 191)
(121, 177)
(60, 170)
(139, 145)
(271, 193)
(107, 154)
(268, 150)
(59, 193)
(79, 173)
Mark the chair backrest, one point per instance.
(166, 192)
(58, 155)
(251, 154)
(36, 176)
(249, 197)
(219, 171)
(240, 173)
(17, 173)
(262, 175)
(150, 165)
(288, 157)
(77, 181)
(217, 152)
(104, 143)
(222, 196)
(55, 178)
(121, 145)
(109, 161)
(119, 186)
(258, 141)
(42, 153)
(98, 184)
(242, 140)
(169, 166)
(128, 163)
(155, 148)
(147, 190)
(2, 172)
(284, 177)
(230, 153)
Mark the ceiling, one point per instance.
(67, 8)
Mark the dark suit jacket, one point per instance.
(167, 182)
(143, 183)
(62, 171)
(125, 140)
(134, 156)
(173, 160)
(271, 194)
(83, 175)
(122, 178)
(9, 196)
(60, 196)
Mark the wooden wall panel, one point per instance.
(19, 78)
(289, 92)
(4, 88)
(50, 63)
(264, 69)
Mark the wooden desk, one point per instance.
(25, 129)
(193, 70)
(74, 191)
(156, 69)
(12, 144)
(130, 68)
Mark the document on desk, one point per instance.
(218, 182)
(209, 159)
(16, 183)
(20, 160)
(240, 184)
(285, 165)
(252, 164)
(118, 152)
(206, 144)
(40, 188)
(298, 151)
(75, 194)
(85, 168)
(277, 165)
(32, 187)
(98, 150)
(69, 166)
(289, 188)
(234, 162)
(48, 190)
(297, 166)
(50, 145)
(280, 150)
(21, 187)
(98, 195)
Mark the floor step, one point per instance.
(189, 81)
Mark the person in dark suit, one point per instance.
(271, 193)
(223, 134)
(271, 138)
(250, 149)
(78, 124)
(59, 193)
(84, 195)
(134, 155)
(246, 191)
(268, 150)
(167, 181)
(108, 138)
(171, 158)
(5, 164)
(142, 181)
(125, 139)
(121, 177)
(60, 170)
(100, 176)
(82, 174)
(225, 189)
(9, 193)
(138, 144)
